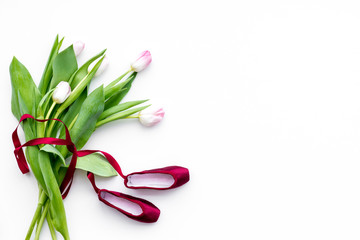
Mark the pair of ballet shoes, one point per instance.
(140, 209)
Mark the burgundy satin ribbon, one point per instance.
(66, 184)
(110, 159)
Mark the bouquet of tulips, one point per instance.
(58, 117)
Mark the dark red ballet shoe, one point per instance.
(134, 208)
(160, 178)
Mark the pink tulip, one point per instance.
(141, 62)
(151, 118)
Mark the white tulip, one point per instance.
(61, 92)
(102, 68)
(78, 47)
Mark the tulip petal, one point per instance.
(142, 62)
(78, 47)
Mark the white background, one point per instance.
(262, 105)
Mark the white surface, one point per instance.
(262, 105)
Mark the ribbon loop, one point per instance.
(20, 156)
(68, 179)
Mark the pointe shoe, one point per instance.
(134, 208)
(160, 178)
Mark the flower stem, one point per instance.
(51, 226)
(73, 122)
(41, 221)
(42, 199)
(133, 116)
(52, 123)
(48, 116)
(50, 110)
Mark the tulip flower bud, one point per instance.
(102, 67)
(151, 118)
(141, 62)
(78, 47)
(61, 92)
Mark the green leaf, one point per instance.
(42, 108)
(43, 104)
(27, 125)
(74, 108)
(23, 85)
(119, 108)
(32, 158)
(109, 92)
(76, 93)
(116, 98)
(69, 117)
(15, 108)
(108, 88)
(79, 88)
(83, 71)
(51, 149)
(48, 71)
(90, 111)
(57, 209)
(97, 164)
(120, 115)
(64, 66)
